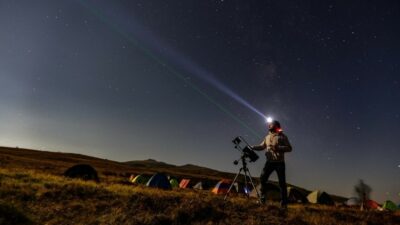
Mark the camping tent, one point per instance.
(239, 188)
(140, 179)
(389, 205)
(131, 178)
(174, 183)
(205, 185)
(295, 196)
(198, 186)
(353, 202)
(82, 171)
(273, 192)
(184, 183)
(159, 180)
(320, 197)
(371, 204)
(222, 187)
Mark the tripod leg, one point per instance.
(234, 180)
(246, 189)
(252, 183)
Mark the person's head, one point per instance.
(274, 126)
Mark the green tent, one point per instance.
(159, 180)
(389, 205)
(140, 179)
(174, 183)
(320, 197)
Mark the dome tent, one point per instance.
(131, 178)
(371, 204)
(159, 180)
(295, 196)
(222, 187)
(389, 205)
(352, 202)
(174, 183)
(320, 197)
(82, 171)
(140, 179)
(184, 183)
(198, 186)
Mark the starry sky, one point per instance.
(177, 80)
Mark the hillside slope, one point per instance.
(56, 163)
(32, 197)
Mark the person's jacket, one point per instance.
(275, 144)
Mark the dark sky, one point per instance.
(128, 80)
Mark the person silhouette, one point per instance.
(275, 144)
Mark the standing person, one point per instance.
(276, 144)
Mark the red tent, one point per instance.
(184, 183)
(371, 204)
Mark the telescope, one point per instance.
(247, 155)
(242, 146)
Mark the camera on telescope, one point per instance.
(242, 146)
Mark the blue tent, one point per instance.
(159, 180)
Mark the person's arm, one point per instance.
(284, 145)
(259, 147)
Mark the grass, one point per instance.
(32, 191)
(34, 197)
(110, 172)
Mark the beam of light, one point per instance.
(269, 119)
(125, 25)
(129, 25)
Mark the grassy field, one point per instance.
(39, 195)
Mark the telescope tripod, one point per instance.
(246, 172)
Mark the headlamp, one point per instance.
(269, 119)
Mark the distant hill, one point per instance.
(149, 163)
(109, 171)
(188, 170)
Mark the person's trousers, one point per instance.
(270, 167)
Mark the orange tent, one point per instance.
(222, 187)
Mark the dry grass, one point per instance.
(32, 191)
(32, 197)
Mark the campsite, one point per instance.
(199, 112)
(34, 190)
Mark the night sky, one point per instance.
(177, 80)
